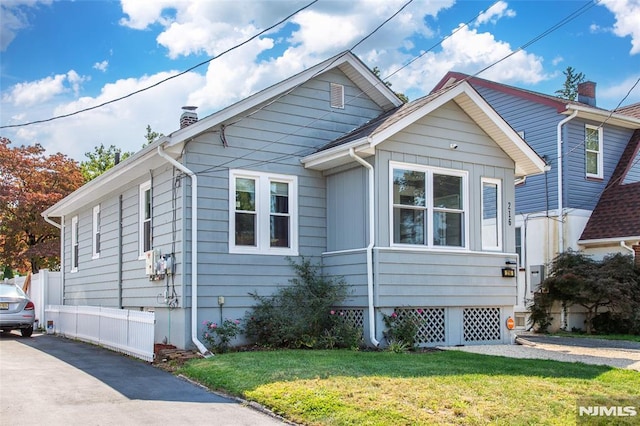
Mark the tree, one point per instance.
(100, 160)
(30, 182)
(576, 279)
(401, 96)
(570, 89)
(151, 136)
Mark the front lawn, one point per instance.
(340, 387)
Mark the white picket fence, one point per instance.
(45, 289)
(122, 330)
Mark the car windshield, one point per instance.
(10, 290)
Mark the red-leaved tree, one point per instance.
(30, 182)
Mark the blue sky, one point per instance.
(57, 57)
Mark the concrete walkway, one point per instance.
(619, 354)
(56, 381)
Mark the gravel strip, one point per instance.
(619, 358)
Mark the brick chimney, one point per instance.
(188, 116)
(587, 93)
(636, 256)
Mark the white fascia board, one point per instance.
(316, 160)
(512, 135)
(107, 182)
(607, 241)
(601, 115)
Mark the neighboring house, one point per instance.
(598, 153)
(414, 208)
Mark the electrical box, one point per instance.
(151, 261)
(536, 276)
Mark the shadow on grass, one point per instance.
(247, 370)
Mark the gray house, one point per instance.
(412, 204)
(592, 161)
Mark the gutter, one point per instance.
(194, 249)
(560, 205)
(371, 307)
(625, 246)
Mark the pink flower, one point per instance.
(237, 321)
(332, 312)
(204, 323)
(213, 325)
(341, 313)
(206, 335)
(419, 311)
(394, 315)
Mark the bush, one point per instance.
(400, 331)
(299, 315)
(217, 337)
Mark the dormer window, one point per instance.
(337, 95)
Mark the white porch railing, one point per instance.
(129, 332)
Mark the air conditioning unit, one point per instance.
(150, 261)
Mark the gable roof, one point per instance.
(139, 164)
(617, 214)
(632, 110)
(367, 137)
(620, 117)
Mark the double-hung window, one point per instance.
(429, 206)
(262, 213)
(593, 151)
(75, 247)
(144, 218)
(491, 214)
(96, 231)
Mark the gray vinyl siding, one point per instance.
(581, 192)
(96, 281)
(272, 140)
(422, 277)
(347, 210)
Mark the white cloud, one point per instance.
(557, 60)
(627, 14)
(14, 17)
(122, 123)
(41, 91)
(497, 11)
(101, 66)
(615, 93)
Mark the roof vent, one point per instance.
(188, 116)
(587, 93)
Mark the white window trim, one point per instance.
(430, 171)
(146, 186)
(74, 243)
(600, 173)
(263, 213)
(498, 184)
(96, 232)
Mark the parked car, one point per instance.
(17, 311)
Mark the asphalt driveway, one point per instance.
(56, 381)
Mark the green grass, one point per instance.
(382, 388)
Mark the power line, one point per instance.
(165, 79)
(565, 20)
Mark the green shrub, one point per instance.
(400, 330)
(299, 315)
(218, 337)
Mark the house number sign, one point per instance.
(509, 213)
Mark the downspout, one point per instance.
(60, 226)
(625, 246)
(120, 252)
(560, 205)
(372, 315)
(194, 248)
